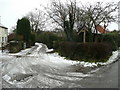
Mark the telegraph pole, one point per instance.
(1, 38)
(0, 19)
(119, 15)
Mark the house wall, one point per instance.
(3, 36)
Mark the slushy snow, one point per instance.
(37, 56)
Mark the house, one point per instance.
(3, 35)
(101, 30)
(90, 35)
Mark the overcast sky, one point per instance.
(12, 10)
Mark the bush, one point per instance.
(119, 40)
(23, 28)
(111, 38)
(87, 51)
(48, 38)
(15, 46)
(15, 37)
(32, 39)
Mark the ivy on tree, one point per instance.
(24, 29)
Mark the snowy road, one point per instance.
(34, 68)
(106, 77)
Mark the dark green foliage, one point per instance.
(23, 28)
(22, 35)
(28, 44)
(111, 38)
(87, 51)
(15, 47)
(89, 37)
(119, 40)
(48, 38)
(68, 31)
(33, 39)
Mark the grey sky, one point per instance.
(12, 10)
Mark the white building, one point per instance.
(3, 35)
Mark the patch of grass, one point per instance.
(94, 61)
(87, 60)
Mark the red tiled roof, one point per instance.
(100, 29)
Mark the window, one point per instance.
(5, 39)
(2, 39)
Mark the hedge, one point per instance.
(48, 38)
(87, 51)
(111, 38)
(15, 46)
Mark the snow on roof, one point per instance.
(2, 26)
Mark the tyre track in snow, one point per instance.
(43, 71)
(40, 72)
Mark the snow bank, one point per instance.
(113, 58)
(58, 59)
(39, 46)
(22, 52)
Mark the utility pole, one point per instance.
(0, 19)
(119, 15)
(1, 38)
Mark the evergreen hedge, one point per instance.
(48, 38)
(15, 46)
(87, 51)
(111, 38)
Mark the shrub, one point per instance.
(23, 28)
(112, 38)
(87, 51)
(15, 46)
(14, 37)
(32, 39)
(119, 40)
(48, 38)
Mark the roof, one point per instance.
(2, 26)
(100, 29)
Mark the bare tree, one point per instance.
(103, 14)
(68, 14)
(64, 15)
(93, 15)
(37, 20)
